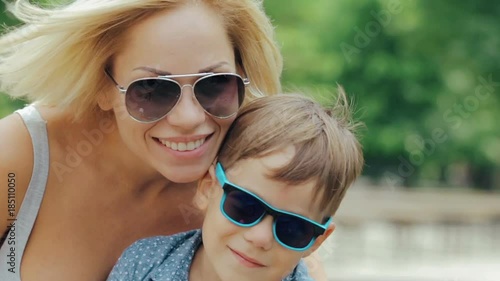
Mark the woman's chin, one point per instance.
(183, 176)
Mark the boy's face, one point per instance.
(252, 253)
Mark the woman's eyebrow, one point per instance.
(153, 70)
(163, 72)
(213, 67)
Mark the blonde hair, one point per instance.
(58, 56)
(327, 150)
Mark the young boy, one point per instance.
(269, 200)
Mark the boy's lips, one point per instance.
(245, 260)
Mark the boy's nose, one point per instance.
(187, 113)
(261, 234)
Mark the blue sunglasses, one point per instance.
(243, 208)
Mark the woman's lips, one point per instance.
(186, 149)
(245, 260)
(184, 143)
(183, 146)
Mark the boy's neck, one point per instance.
(201, 268)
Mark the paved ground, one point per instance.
(397, 235)
(426, 206)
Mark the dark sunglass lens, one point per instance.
(220, 95)
(293, 231)
(242, 207)
(150, 99)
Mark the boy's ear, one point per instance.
(205, 189)
(320, 239)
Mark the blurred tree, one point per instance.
(7, 105)
(5, 18)
(416, 70)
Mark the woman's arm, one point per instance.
(16, 166)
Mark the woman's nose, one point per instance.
(187, 114)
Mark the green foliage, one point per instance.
(414, 69)
(5, 18)
(417, 72)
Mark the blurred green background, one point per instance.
(424, 76)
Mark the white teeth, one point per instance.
(183, 146)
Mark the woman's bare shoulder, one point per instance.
(16, 165)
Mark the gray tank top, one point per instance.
(12, 250)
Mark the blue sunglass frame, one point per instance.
(228, 186)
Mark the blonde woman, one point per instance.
(130, 102)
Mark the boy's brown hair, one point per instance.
(327, 150)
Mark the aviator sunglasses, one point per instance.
(152, 98)
(243, 208)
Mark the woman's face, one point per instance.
(188, 40)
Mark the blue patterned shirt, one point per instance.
(169, 258)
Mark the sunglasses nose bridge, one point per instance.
(187, 85)
(193, 96)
